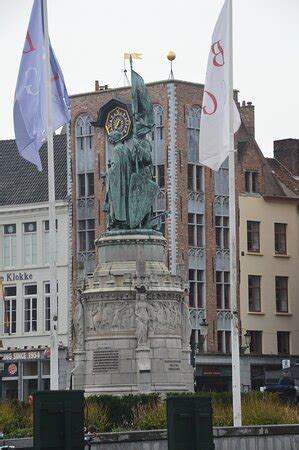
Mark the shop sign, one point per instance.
(11, 370)
(20, 276)
(21, 355)
(211, 371)
(286, 363)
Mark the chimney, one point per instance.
(96, 85)
(247, 116)
(286, 151)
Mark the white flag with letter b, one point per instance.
(214, 124)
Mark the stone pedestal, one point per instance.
(135, 322)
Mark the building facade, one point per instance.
(24, 268)
(269, 284)
(197, 227)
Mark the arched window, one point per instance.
(158, 157)
(193, 126)
(84, 144)
(85, 192)
(195, 170)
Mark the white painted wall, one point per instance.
(39, 272)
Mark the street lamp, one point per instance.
(204, 328)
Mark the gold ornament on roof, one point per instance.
(171, 56)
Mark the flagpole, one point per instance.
(236, 383)
(54, 380)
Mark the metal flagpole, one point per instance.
(236, 388)
(54, 381)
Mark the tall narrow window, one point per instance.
(195, 178)
(223, 290)
(47, 303)
(46, 241)
(30, 308)
(283, 342)
(254, 293)
(9, 245)
(281, 290)
(85, 191)
(251, 181)
(86, 233)
(196, 288)
(29, 243)
(222, 231)
(10, 309)
(193, 125)
(224, 341)
(159, 175)
(253, 236)
(280, 231)
(195, 230)
(256, 344)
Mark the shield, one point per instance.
(141, 196)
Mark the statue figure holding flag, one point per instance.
(131, 189)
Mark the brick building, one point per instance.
(197, 229)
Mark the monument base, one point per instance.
(136, 325)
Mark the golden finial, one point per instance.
(171, 57)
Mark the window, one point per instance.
(253, 236)
(281, 291)
(9, 245)
(158, 130)
(256, 345)
(81, 185)
(223, 290)
(251, 181)
(283, 342)
(159, 175)
(46, 241)
(195, 230)
(86, 234)
(254, 293)
(47, 306)
(47, 302)
(85, 185)
(30, 308)
(10, 309)
(196, 288)
(280, 231)
(90, 184)
(193, 126)
(222, 231)
(30, 246)
(195, 181)
(84, 133)
(224, 341)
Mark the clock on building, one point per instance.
(115, 115)
(118, 119)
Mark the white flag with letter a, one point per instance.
(214, 124)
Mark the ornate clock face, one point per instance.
(118, 119)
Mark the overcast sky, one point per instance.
(89, 38)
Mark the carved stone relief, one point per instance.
(105, 316)
(165, 317)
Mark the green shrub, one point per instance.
(147, 417)
(19, 433)
(121, 408)
(97, 415)
(267, 409)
